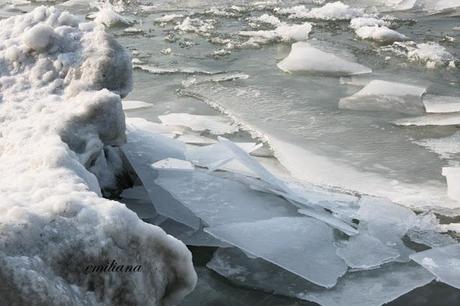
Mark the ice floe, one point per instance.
(214, 124)
(443, 262)
(445, 147)
(386, 96)
(306, 58)
(431, 120)
(452, 175)
(283, 32)
(292, 252)
(380, 34)
(441, 104)
(429, 53)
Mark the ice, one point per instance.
(61, 127)
(360, 22)
(132, 104)
(441, 104)
(196, 139)
(443, 262)
(144, 149)
(219, 201)
(452, 175)
(173, 163)
(169, 18)
(196, 25)
(365, 252)
(445, 147)
(380, 34)
(431, 54)
(332, 11)
(108, 17)
(216, 125)
(283, 32)
(431, 120)
(303, 246)
(306, 58)
(386, 96)
(330, 220)
(364, 288)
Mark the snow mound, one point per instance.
(61, 123)
(306, 58)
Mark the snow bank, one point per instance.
(61, 120)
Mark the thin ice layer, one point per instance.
(306, 58)
(363, 288)
(443, 262)
(215, 124)
(386, 96)
(441, 104)
(304, 246)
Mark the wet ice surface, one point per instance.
(391, 142)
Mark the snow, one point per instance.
(386, 96)
(293, 251)
(431, 54)
(441, 104)
(62, 122)
(360, 22)
(108, 17)
(306, 58)
(443, 262)
(216, 125)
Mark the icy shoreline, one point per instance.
(61, 123)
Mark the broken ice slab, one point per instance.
(196, 140)
(215, 156)
(135, 193)
(132, 104)
(386, 96)
(216, 125)
(143, 149)
(431, 120)
(386, 221)
(218, 200)
(441, 104)
(304, 246)
(153, 127)
(190, 236)
(363, 288)
(306, 58)
(452, 175)
(329, 219)
(443, 262)
(296, 194)
(172, 163)
(365, 252)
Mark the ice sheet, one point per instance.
(304, 246)
(443, 262)
(214, 124)
(441, 104)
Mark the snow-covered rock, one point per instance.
(61, 121)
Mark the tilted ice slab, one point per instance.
(215, 124)
(441, 104)
(303, 246)
(381, 34)
(363, 288)
(443, 262)
(143, 149)
(306, 58)
(386, 96)
(61, 121)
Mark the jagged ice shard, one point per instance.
(61, 121)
